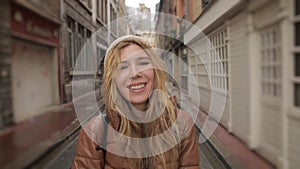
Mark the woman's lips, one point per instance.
(137, 87)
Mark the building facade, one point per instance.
(171, 22)
(256, 46)
(140, 19)
(30, 64)
(41, 42)
(83, 21)
(78, 27)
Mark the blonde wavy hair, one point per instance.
(116, 109)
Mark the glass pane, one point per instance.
(297, 31)
(269, 72)
(274, 37)
(279, 90)
(69, 48)
(271, 93)
(280, 72)
(274, 72)
(277, 72)
(297, 64)
(297, 7)
(272, 55)
(297, 95)
(264, 72)
(264, 58)
(276, 94)
(275, 53)
(262, 88)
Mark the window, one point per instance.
(101, 50)
(88, 34)
(70, 42)
(271, 64)
(199, 64)
(219, 59)
(210, 64)
(184, 62)
(297, 33)
(296, 62)
(113, 17)
(297, 94)
(87, 3)
(80, 36)
(102, 8)
(205, 3)
(89, 49)
(99, 8)
(297, 7)
(76, 37)
(80, 43)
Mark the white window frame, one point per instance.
(271, 64)
(219, 52)
(202, 70)
(199, 70)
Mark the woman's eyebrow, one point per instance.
(139, 58)
(144, 57)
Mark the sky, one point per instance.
(149, 3)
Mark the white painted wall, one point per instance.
(240, 91)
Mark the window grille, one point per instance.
(271, 62)
(209, 66)
(219, 59)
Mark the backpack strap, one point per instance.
(105, 126)
(104, 141)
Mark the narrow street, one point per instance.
(232, 65)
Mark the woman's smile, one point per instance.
(137, 87)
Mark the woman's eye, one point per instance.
(122, 67)
(144, 63)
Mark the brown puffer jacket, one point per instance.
(90, 156)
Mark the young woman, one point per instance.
(145, 129)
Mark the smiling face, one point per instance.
(135, 76)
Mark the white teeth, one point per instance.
(137, 86)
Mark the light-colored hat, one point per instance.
(122, 39)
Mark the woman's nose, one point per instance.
(134, 72)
